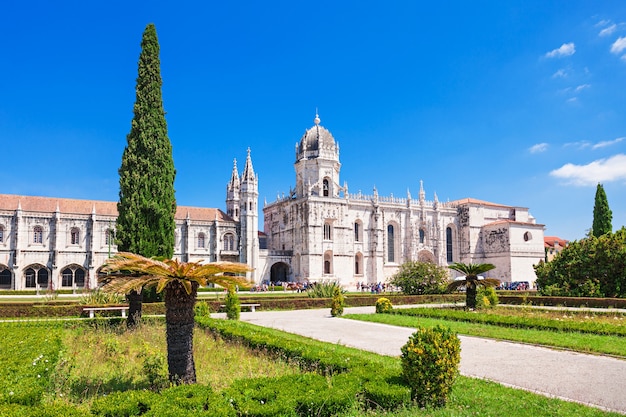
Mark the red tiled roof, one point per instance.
(107, 208)
(549, 241)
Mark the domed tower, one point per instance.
(317, 163)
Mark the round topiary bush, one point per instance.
(383, 305)
(430, 364)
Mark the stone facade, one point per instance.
(320, 231)
(53, 243)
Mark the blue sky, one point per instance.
(516, 102)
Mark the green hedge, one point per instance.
(484, 317)
(344, 377)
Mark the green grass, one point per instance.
(94, 361)
(579, 342)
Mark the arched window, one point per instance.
(73, 275)
(37, 234)
(421, 235)
(109, 237)
(5, 278)
(391, 244)
(201, 240)
(74, 236)
(1, 234)
(527, 236)
(328, 263)
(326, 188)
(358, 231)
(358, 264)
(229, 242)
(328, 231)
(36, 275)
(449, 244)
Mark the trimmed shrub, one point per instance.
(486, 297)
(127, 403)
(202, 309)
(383, 305)
(191, 400)
(430, 364)
(337, 303)
(233, 306)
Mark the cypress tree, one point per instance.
(146, 208)
(602, 215)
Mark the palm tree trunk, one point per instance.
(470, 296)
(179, 321)
(135, 300)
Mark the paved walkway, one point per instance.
(598, 381)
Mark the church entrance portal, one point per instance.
(279, 272)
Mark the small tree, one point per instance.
(602, 215)
(233, 306)
(471, 281)
(337, 302)
(415, 278)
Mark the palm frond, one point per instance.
(488, 282)
(471, 269)
(128, 271)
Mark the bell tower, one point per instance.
(317, 163)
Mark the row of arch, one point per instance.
(228, 241)
(38, 276)
(279, 272)
(37, 234)
(393, 239)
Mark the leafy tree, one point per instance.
(471, 281)
(146, 208)
(602, 214)
(590, 267)
(179, 281)
(415, 278)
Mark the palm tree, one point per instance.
(471, 281)
(179, 281)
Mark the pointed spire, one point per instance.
(317, 118)
(422, 193)
(234, 177)
(248, 171)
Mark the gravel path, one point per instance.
(598, 381)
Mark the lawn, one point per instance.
(581, 331)
(67, 369)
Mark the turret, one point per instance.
(233, 194)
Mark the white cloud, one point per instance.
(572, 100)
(560, 74)
(608, 30)
(582, 87)
(599, 171)
(606, 143)
(581, 144)
(538, 148)
(564, 50)
(603, 22)
(619, 45)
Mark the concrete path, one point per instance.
(598, 381)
